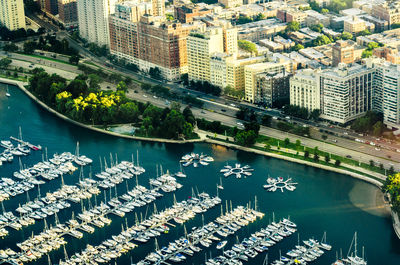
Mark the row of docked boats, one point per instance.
(22, 148)
(196, 160)
(38, 174)
(237, 170)
(203, 237)
(257, 243)
(117, 174)
(143, 231)
(95, 217)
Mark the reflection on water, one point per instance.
(369, 198)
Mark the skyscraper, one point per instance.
(93, 20)
(158, 8)
(12, 14)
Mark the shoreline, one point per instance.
(395, 221)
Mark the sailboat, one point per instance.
(8, 92)
(352, 259)
(219, 186)
(180, 174)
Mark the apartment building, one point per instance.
(93, 20)
(230, 3)
(12, 14)
(51, 6)
(186, 13)
(272, 89)
(273, 65)
(68, 12)
(355, 25)
(346, 92)
(342, 52)
(201, 44)
(228, 70)
(304, 90)
(389, 11)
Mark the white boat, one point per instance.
(221, 244)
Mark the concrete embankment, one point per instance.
(21, 85)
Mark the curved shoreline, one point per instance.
(396, 222)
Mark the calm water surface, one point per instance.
(323, 201)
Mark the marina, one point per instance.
(238, 171)
(279, 183)
(334, 194)
(196, 160)
(22, 148)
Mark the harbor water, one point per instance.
(323, 201)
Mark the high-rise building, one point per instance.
(304, 90)
(230, 40)
(201, 45)
(276, 65)
(386, 91)
(272, 89)
(12, 14)
(158, 8)
(346, 92)
(67, 12)
(342, 52)
(51, 6)
(93, 20)
(151, 42)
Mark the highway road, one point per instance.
(221, 109)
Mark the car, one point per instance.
(240, 124)
(377, 149)
(305, 125)
(203, 112)
(144, 95)
(223, 110)
(232, 105)
(346, 133)
(334, 140)
(348, 156)
(287, 117)
(155, 96)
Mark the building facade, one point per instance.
(68, 12)
(230, 3)
(12, 14)
(304, 90)
(93, 21)
(389, 11)
(201, 45)
(272, 89)
(51, 6)
(342, 52)
(346, 92)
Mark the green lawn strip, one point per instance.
(20, 78)
(304, 159)
(47, 58)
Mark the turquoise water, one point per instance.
(322, 201)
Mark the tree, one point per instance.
(324, 10)
(185, 79)
(324, 137)
(252, 126)
(169, 17)
(128, 112)
(155, 73)
(145, 86)
(122, 86)
(306, 154)
(247, 46)
(292, 26)
(29, 47)
(77, 87)
(337, 162)
(372, 45)
(188, 115)
(317, 27)
(316, 157)
(266, 120)
(321, 40)
(391, 170)
(298, 47)
(94, 81)
(246, 138)
(378, 128)
(327, 158)
(132, 67)
(346, 36)
(298, 143)
(74, 59)
(10, 47)
(286, 142)
(371, 163)
(315, 114)
(365, 32)
(366, 54)
(5, 63)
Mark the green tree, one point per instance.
(327, 158)
(378, 128)
(185, 79)
(365, 32)
(155, 73)
(346, 36)
(5, 63)
(145, 86)
(371, 163)
(321, 40)
(298, 47)
(337, 163)
(74, 59)
(77, 87)
(324, 10)
(94, 82)
(286, 142)
(315, 114)
(247, 46)
(306, 154)
(10, 47)
(122, 86)
(188, 115)
(246, 138)
(292, 26)
(366, 54)
(128, 112)
(324, 137)
(29, 47)
(252, 126)
(317, 27)
(316, 157)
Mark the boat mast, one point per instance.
(355, 243)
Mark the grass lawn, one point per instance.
(47, 58)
